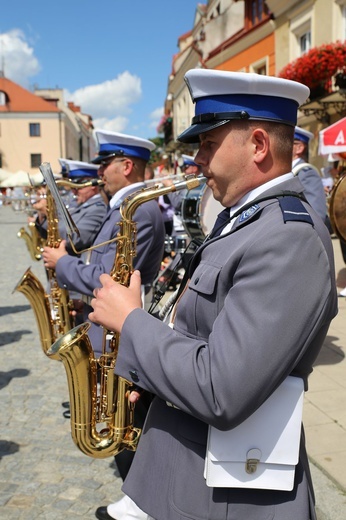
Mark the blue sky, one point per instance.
(112, 58)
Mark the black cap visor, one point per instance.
(206, 122)
(104, 157)
(191, 134)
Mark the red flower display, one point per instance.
(317, 67)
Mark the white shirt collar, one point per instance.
(251, 195)
(120, 195)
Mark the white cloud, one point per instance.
(155, 117)
(18, 58)
(111, 104)
(112, 99)
(117, 124)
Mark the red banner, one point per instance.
(333, 138)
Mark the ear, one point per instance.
(300, 147)
(128, 165)
(260, 139)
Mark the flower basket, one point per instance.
(318, 66)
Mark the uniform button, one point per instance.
(196, 280)
(134, 375)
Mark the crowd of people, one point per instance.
(231, 340)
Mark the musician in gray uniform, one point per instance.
(88, 212)
(121, 164)
(235, 335)
(308, 174)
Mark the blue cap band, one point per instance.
(83, 172)
(135, 151)
(272, 108)
(301, 137)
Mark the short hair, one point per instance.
(281, 136)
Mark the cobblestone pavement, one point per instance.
(42, 474)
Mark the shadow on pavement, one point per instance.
(6, 377)
(341, 278)
(330, 353)
(6, 338)
(13, 309)
(8, 448)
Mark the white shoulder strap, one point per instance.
(298, 167)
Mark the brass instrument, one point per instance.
(77, 186)
(337, 208)
(32, 237)
(52, 310)
(108, 408)
(34, 241)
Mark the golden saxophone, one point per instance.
(77, 185)
(53, 310)
(34, 241)
(102, 420)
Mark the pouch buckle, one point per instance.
(253, 457)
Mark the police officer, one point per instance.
(308, 174)
(234, 336)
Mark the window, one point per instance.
(260, 66)
(256, 12)
(262, 70)
(2, 98)
(305, 42)
(36, 160)
(34, 129)
(301, 35)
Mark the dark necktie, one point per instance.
(222, 220)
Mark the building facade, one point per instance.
(262, 37)
(39, 127)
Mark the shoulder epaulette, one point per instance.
(293, 209)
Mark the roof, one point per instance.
(18, 99)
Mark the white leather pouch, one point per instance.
(262, 452)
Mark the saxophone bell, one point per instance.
(101, 424)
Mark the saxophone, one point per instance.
(34, 241)
(53, 310)
(102, 420)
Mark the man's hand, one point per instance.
(51, 255)
(113, 302)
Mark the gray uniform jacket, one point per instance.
(313, 189)
(87, 217)
(73, 274)
(257, 309)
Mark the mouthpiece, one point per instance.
(188, 184)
